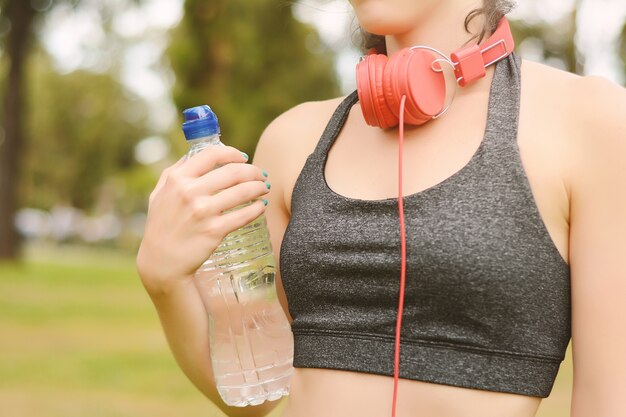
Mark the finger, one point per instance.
(210, 158)
(163, 177)
(237, 195)
(234, 220)
(225, 177)
(179, 162)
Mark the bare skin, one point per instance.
(572, 138)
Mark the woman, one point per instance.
(514, 199)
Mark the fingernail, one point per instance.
(268, 185)
(264, 173)
(245, 155)
(265, 202)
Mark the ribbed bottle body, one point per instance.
(250, 338)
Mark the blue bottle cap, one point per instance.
(200, 121)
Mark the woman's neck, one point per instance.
(443, 29)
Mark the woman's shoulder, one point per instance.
(292, 136)
(301, 125)
(289, 139)
(589, 97)
(587, 110)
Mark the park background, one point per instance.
(90, 114)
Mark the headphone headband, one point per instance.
(470, 62)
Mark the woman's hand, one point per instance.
(185, 223)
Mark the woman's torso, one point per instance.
(357, 167)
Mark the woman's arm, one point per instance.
(598, 249)
(271, 155)
(185, 224)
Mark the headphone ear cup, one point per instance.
(425, 88)
(370, 90)
(390, 78)
(364, 90)
(385, 116)
(382, 81)
(409, 72)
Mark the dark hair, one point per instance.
(492, 10)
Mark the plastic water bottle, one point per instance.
(251, 343)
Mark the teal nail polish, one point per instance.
(268, 185)
(245, 155)
(264, 173)
(265, 202)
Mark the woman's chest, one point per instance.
(362, 164)
(479, 258)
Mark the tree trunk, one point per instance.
(579, 56)
(20, 14)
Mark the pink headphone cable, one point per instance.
(396, 362)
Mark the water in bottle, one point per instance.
(251, 343)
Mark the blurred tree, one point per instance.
(17, 16)
(250, 61)
(17, 23)
(555, 40)
(83, 129)
(622, 49)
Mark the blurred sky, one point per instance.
(75, 40)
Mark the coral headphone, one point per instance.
(416, 73)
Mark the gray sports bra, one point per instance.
(487, 300)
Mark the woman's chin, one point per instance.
(381, 27)
(393, 17)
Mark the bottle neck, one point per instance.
(196, 145)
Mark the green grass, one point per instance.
(79, 337)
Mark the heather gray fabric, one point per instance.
(487, 301)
